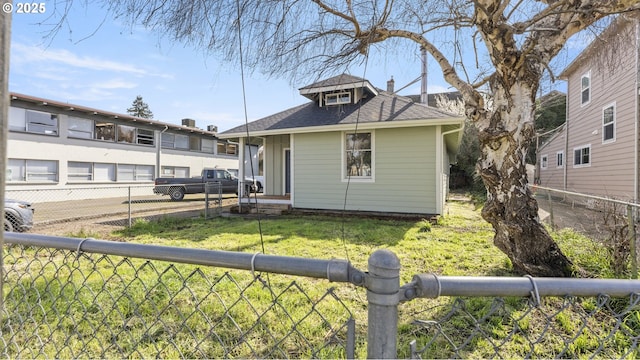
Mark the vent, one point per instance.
(212, 128)
(189, 123)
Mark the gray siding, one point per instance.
(273, 163)
(404, 169)
(613, 80)
(553, 175)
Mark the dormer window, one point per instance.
(337, 98)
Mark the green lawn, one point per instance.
(156, 299)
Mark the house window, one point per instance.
(337, 98)
(544, 162)
(128, 172)
(32, 170)
(585, 83)
(87, 171)
(582, 156)
(560, 159)
(32, 121)
(175, 172)
(609, 123)
(359, 155)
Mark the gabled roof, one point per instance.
(337, 83)
(612, 30)
(383, 110)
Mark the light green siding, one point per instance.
(404, 170)
(273, 163)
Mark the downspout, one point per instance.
(439, 180)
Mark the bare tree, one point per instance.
(519, 38)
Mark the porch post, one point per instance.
(241, 161)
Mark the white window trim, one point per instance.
(544, 161)
(338, 96)
(611, 105)
(560, 153)
(343, 162)
(587, 75)
(590, 156)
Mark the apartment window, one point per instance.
(585, 83)
(175, 172)
(175, 141)
(560, 159)
(37, 122)
(145, 137)
(80, 128)
(194, 143)
(128, 172)
(582, 156)
(609, 123)
(358, 155)
(208, 145)
(544, 162)
(126, 134)
(88, 171)
(32, 170)
(337, 98)
(105, 131)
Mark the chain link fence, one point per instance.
(613, 222)
(65, 304)
(72, 298)
(118, 206)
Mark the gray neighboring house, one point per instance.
(391, 153)
(596, 150)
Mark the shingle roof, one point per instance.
(384, 107)
(336, 80)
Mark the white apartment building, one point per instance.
(54, 145)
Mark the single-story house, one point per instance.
(355, 147)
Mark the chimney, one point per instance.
(390, 85)
(189, 123)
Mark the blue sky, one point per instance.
(97, 62)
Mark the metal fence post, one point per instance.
(206, 200)
(129, 204)
(383, 287)
(553, 225)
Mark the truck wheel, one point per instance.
(8, 226)
(176, 194)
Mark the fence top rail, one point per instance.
(432, 286)
(336, 270)
(595, 197)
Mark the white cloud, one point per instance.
(114, 84)
(35, 54)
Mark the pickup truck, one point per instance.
(176, 188)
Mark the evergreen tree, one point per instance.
(140, 109)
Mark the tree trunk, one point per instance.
(511, 208)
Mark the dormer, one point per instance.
(339, 90)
